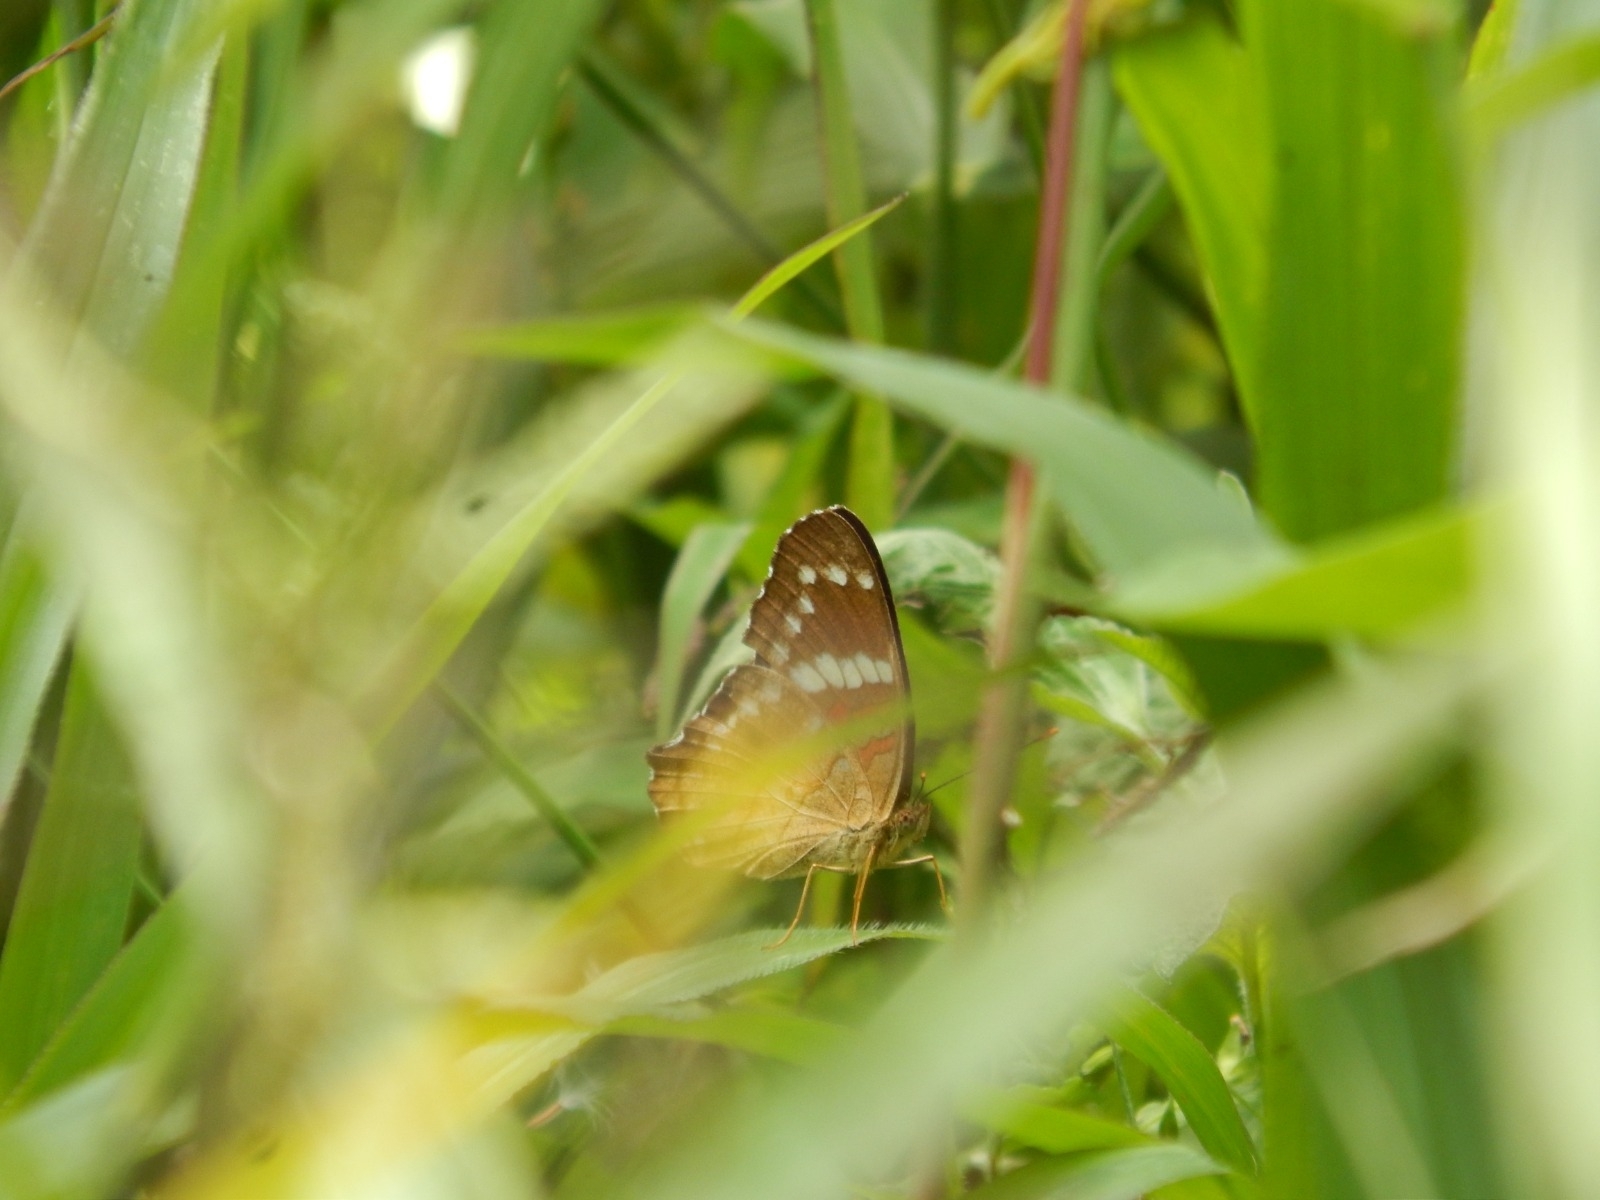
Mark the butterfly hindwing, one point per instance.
(767, 796)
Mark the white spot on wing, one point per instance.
(829, 667)
(770, 692)
(779, 653)
(852, 673)
(805, 603)
(885, 671)
(869, 670)
(792, 621)
(808, 679)
(836, 573)
(866, 581)
(807, 575)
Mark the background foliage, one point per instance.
(387, 463)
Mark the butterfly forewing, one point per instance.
(825, 618)
(764, 798)
(800, 756)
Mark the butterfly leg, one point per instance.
(938, 875)
(805, 890)
(861, 890)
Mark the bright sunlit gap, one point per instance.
(434, 79)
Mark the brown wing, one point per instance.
(750, 765)
(825, 619)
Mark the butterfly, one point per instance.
(801, 760)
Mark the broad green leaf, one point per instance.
(699, 568)
(1356, 404)
(73, 904)
(1380, 582)
(1133, 497)
(1146, 1030)
(1197, 96)
(1106, 1175)
(956, 577)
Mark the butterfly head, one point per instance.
(907, 826)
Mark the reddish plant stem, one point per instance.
(999, 719)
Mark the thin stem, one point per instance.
(1134, 223)
(595, 74)
(84, 40)
(1000, 717)
(584, 850)
(942, 260)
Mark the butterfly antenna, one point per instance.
(928, 791)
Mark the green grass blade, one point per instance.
(512, 100)
(597, 339)
(1380, 582)
(128, 1003)
(700, 567)
(1025, 1116)
(654, 983)
(1133, 497)
(109, 232)
(1497, 102)
(1107, 1175)
(72, 908)
(635, 433)
(34, 617)
(1146, 1030)
(607, 339)
(568, 830)
(783, 1036)
(812, 252)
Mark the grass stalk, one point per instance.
(942, 257)
(72, 84)
(1000, 716)
(583, 849)
(870, 480)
